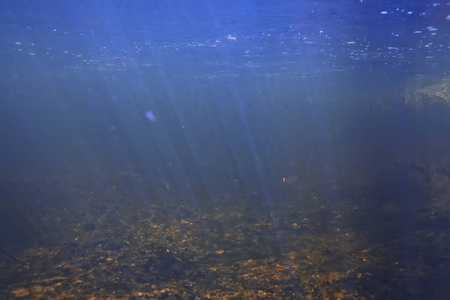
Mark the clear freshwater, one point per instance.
(225, 149)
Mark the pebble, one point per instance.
(21, 292)
(37, 289)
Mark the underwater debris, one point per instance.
(418, 92)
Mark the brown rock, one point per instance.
(21, 292)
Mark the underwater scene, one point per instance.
(291, 149)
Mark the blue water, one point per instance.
(269, 129)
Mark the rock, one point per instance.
(21, 292)
(37, 289)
